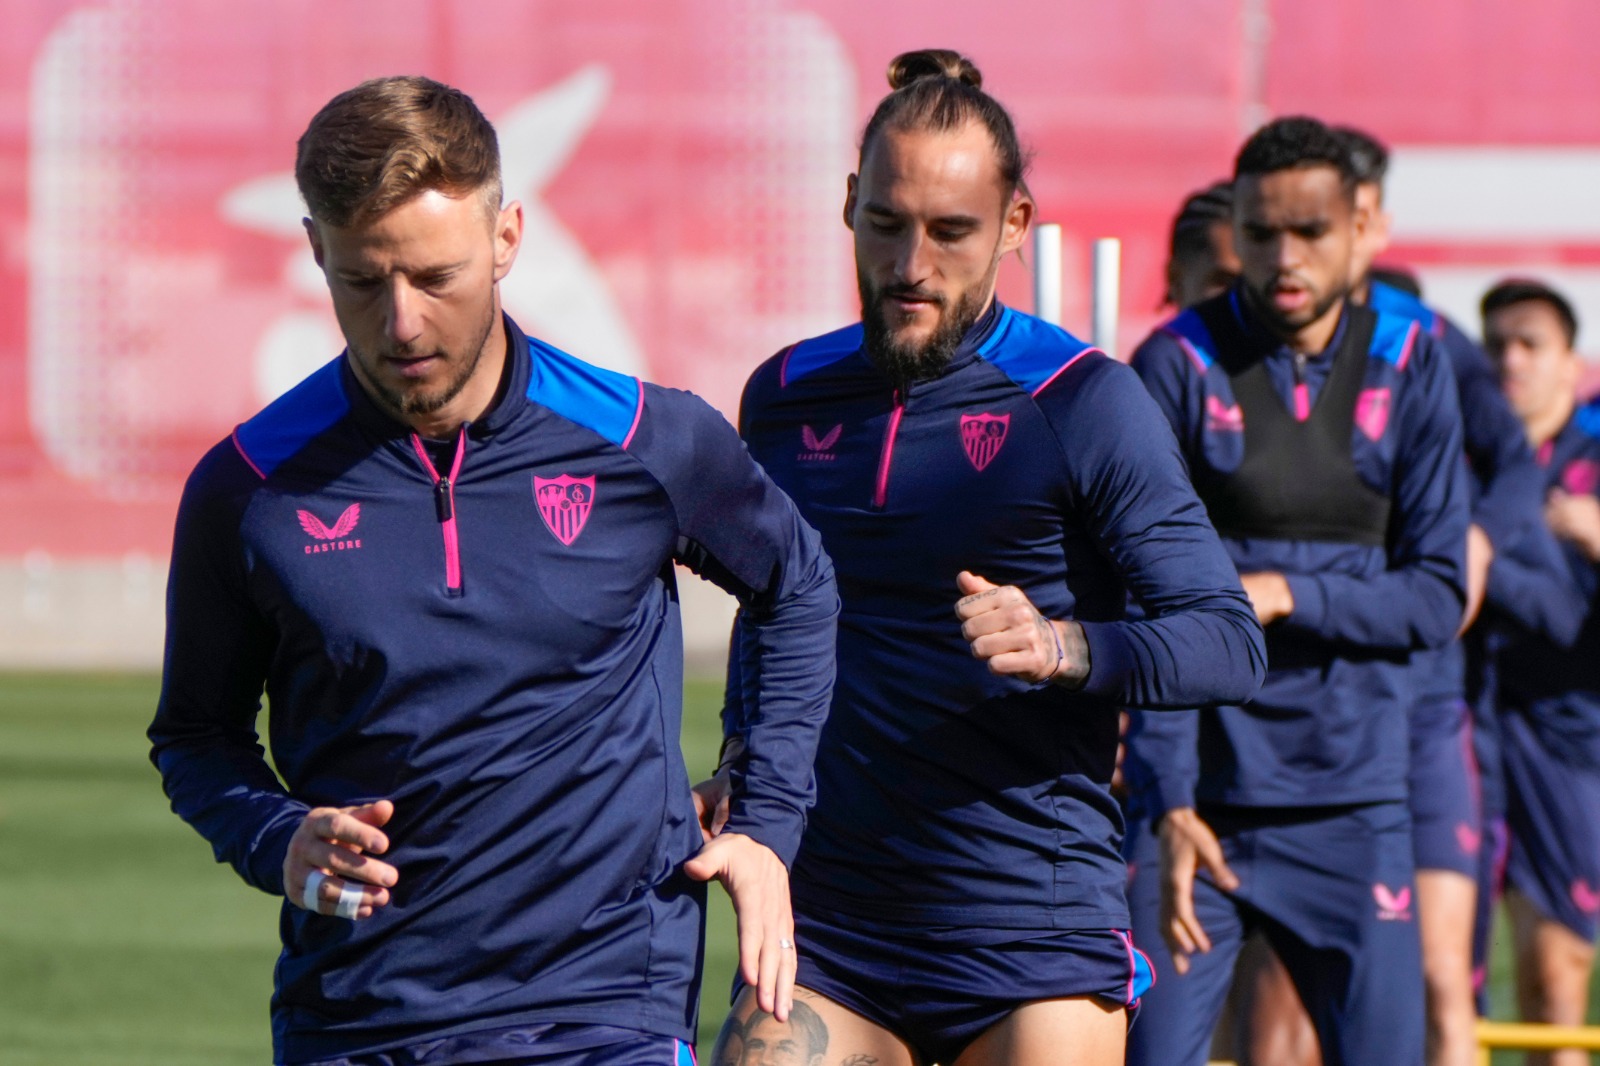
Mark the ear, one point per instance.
(316, 241)
(852, 183)
(507, 238)
(1018, 220)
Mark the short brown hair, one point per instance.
(372, 148)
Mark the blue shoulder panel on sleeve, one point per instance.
(1192, 335)
(602, 400)
(1588, 418)
(1394, 337)
(812, 355)
(1031, 351)
(285, 425)
(1386, 299)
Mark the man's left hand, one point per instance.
(758, 883)
(1269, 595)
(1007, 631)
(713, 800)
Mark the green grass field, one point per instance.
(121, 942)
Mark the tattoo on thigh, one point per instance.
(759, 1037)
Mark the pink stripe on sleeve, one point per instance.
(1063, 369)
(638, 414)
(238, 447)
(1411, 343)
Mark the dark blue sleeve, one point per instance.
(1417, 602)
(1199, 642)
(1161, 760)
(1171, 379)
(203, 739)
(1510, 485)
(739, 530)
(1161, 763)
(1530, 584)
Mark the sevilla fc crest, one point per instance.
(982, 436)
(1581, 477)
(1372, 412)
(565, 503)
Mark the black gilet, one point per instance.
(1297, 480)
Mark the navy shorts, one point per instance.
(1332, 889)
(1446, 816)
(1553, 827)
(939, 988)
(550, 1044)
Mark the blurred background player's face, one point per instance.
(414, 293)
(931, 223)
(1539, 371)
(1373, 234)
(1203, 272)
(1295, 232)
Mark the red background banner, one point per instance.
(683, 163)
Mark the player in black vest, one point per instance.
(1325, 440)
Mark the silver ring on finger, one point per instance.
(786, 944)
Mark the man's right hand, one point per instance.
(1187, 843)
(339, 842)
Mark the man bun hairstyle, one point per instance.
(938, 90)
(1296, 143)
(1527, 290)
(372, 148)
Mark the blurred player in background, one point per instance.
(1200, 259)
(1547, 671)
(1293, 805)
(1444, 787)
(447, 557)
(990, 489)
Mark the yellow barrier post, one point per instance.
(1523, 1036)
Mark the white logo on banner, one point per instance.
(555, 291)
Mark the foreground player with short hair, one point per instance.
(1548, 679)
(448, 556)
(1324, 439)
(990, 489)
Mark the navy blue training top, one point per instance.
(496, 648)
(1329, 724)
(948, 795)
(1546, 647)
(1505, 485)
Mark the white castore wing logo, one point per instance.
(555, 291)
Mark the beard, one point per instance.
(418, 400)
(1321, 303)
(906, 361)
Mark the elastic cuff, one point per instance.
(1111, 658)
(1310, 604)
(769, 822)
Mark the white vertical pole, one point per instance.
(1047, 272)
(1107, 293)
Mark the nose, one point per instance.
(914, 260)
(404, 312)
(1289, 252)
